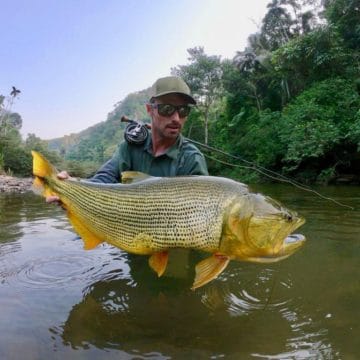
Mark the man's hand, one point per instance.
(62, 175)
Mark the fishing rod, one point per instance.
(136, 132)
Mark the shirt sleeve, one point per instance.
(111, 171)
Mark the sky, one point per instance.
(73, 60)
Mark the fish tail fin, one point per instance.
(42, 169)
(41, 166)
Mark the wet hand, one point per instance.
(62, 175)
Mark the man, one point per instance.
(165, 152)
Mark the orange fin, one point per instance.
(41, 169)
(209, 269)
(90, 239)
(158, 262)
(39, 188)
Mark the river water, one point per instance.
(59, 301)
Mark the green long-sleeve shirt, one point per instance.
(183, 158)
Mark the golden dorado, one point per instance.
(150, 215)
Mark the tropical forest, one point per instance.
(287, 104)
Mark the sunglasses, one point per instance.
(169, 109)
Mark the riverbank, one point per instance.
(10, 184)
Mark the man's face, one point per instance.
(167, 127)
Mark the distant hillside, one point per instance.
(98, 142)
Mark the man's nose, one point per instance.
(175, 116)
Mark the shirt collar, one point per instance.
(172, 152)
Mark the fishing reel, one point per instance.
(136, 132)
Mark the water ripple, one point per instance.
(59, 271)
(256, 293)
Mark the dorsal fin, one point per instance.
(129, 177)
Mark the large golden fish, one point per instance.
(151, 215)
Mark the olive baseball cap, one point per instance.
(171, 85)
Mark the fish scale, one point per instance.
(168, 212)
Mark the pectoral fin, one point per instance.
(90, 239)
(158, 262)
(209, 269)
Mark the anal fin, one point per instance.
(209, 269)
(158, 262)
(89, 238)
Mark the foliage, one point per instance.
(285, 20)
(10, 148)
(303, 91)
(288, 102)
(345, 15)
(2, 162)
(354, 131)
(313, 57)
(18, 162)
(203, 75)
(264, 140)
(194, 126)
(318, 123)
(15, 154)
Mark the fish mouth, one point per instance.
(290, 244)
(294, 238)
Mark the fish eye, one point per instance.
(288, 217)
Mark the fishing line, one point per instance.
(136, 132)
(266, 172)
(271, 292)
(253, 166)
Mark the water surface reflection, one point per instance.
(248, 311)
(57, 300)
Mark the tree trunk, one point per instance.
(206, 130)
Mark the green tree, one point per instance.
(286, 20)
(345, 16)
(317, 127)
(313, 57)
(203, 75)
(276, 26)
